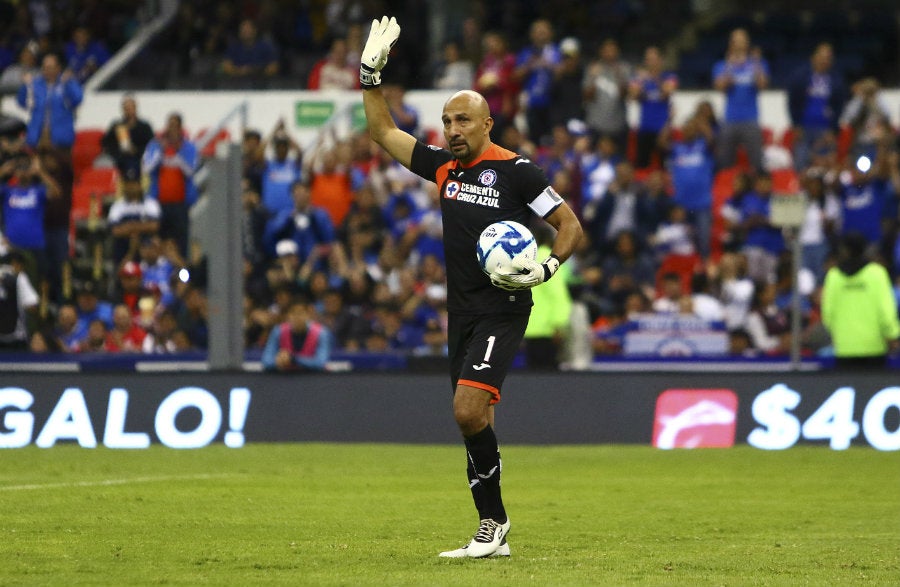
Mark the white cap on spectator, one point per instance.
(286, 247)
(576, 127)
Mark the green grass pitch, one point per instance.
(327, 514)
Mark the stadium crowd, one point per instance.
(676, 218)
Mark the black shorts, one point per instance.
(482, 349)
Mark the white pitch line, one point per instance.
(108, 482)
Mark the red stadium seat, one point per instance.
(86, 148)
(787, 139)
(101, 180)
(845, 140)
(91, 188)
(631, 146)
(742, 160)
(785, 181)
(723, 188)
(684, 265)
(642, 173)
(434, 137)
(81, 201)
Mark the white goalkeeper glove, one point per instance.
(382, 36)
(529, 273)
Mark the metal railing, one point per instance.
(167, 11)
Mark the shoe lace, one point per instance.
(485, 531)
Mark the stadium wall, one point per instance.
(305, 109)
(668, 410)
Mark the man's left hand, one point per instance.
(529, 273)
(382, 36)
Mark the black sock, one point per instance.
(484, 462)
(478, 494)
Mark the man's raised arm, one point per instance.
(382, 128)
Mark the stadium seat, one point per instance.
(723, 188)
(86, 148)
(683, 265)
(434, 136)
(642, 173)
(81, 202)
(102, 180)
(631, 145)
(787, 139)
(785, 181)
(742, 160)
(844, 142)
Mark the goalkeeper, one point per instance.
(480, 183)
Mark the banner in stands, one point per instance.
(668, 410)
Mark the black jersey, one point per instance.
(499, 185)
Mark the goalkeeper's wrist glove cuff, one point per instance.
(551, 264)
(368, 77)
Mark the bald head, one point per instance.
(467, 125)
(470, 101)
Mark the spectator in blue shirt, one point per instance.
(310, 227)
(868, 196)
(281, 172)
(763, 242)
(535, 68)
(51, 100)
(691, 166)
(250, 56)
(652, 88)
(90, 307)
(156, 268)
(598, 170)
(84, 55)
(24, 202)
(66, 328)
(816, 98)
(741, 75)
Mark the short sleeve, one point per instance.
(535, 188)
(114, 216)
(427, 159)
(152, 209)
(28, 297)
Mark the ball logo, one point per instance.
(488, 177)
(695, 418)
(451, 190)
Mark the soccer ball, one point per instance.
(500, 242)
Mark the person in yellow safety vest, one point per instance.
(550, 318)
(859, 308)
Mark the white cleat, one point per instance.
(463, 552)
(487, 539)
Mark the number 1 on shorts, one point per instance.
(490, 347)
